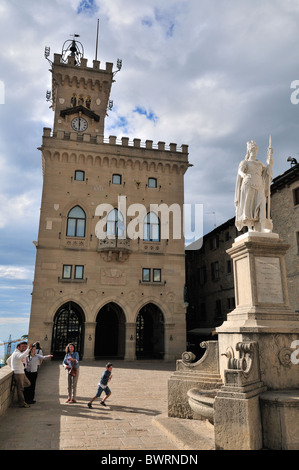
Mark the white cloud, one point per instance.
(13, 321)
(16, 272)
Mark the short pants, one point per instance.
(101, 389)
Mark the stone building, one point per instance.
(285, 216)
(210, 284)
(105, 279)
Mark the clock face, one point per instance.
(79, 124)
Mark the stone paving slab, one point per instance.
(135, 417)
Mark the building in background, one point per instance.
(117, 296)
(285, 216)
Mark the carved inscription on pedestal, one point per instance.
(268, 279)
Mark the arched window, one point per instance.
(115, 224)
(151, 228)
(76, 220)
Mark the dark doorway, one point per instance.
(68, 328)
(110, 332)
(150, 333)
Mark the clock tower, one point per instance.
(80, 94)
(119, 296)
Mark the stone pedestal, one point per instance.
(262, 312)
(280, 419)
(263, 317)
(237, 418)
(202, 375)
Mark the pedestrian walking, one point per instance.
(103, 386)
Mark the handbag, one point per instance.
(73, 372)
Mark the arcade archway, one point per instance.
(68, 328)
(110, 332)
(150, 333)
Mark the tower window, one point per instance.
(146, 275)
(67, 271)
(215, 271)
(214, 243)
(157, 275)
(151, 275)
(228, 266)
(79, 175)
(116, 179)
(76, 222)
(151, 228)
(152, 182)
(79, 272)
(296, 196)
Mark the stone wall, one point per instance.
(6, 395)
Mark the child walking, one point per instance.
(103, 385)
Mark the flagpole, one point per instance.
(97, 39)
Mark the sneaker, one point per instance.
(103, 403)
(25, 406)
(89, 405)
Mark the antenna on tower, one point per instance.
(97, 39)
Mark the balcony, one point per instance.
(114, 249)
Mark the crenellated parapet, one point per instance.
(114, 153)
(112, 140)
(81, 76)
(77, 88)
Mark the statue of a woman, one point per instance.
(253, 190)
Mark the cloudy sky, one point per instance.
(211, 74)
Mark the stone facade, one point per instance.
(285, 216)
(121, 296)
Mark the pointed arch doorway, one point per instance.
(68, 328)
(110, 332)
(150, 333)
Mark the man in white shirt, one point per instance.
(17, 362)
